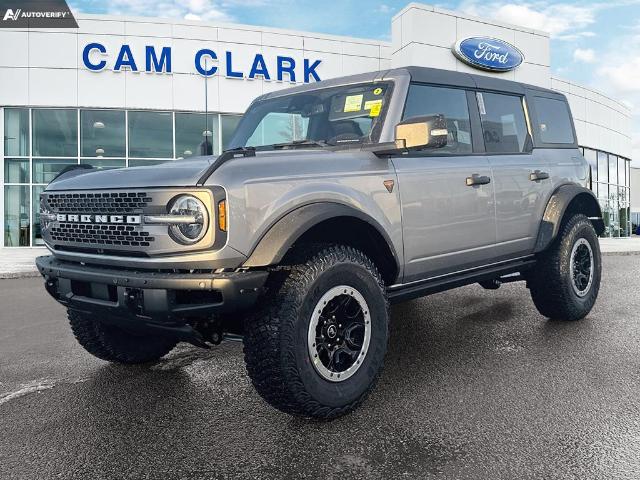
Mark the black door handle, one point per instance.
(538, 175)
(476, 179)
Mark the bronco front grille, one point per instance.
(103, 203)
(123, 235)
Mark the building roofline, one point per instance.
(230, 25)
(451, 13)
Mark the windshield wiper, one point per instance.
(298, 143)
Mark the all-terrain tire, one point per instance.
(113, 344)
(276, 345)
(552, 281)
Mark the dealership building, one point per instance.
(121, 91)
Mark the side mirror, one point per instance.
(422, 132)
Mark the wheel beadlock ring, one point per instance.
(581, 267)
(340, 323)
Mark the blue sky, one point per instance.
(595, 43)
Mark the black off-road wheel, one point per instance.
(317, 346)
(113, 344)
(566, 280)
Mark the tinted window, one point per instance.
(503, 124)
(554, 121)
(55, 133)
(102, 133)
(196, 134)
(150, 134)
(452, 103)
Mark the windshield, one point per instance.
(331, 116)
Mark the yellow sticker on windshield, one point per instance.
(374, 107)
(353, 103)
(377, 91)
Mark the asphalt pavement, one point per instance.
(476, 385)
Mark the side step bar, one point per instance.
(421, 288)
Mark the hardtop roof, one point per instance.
(421, 75)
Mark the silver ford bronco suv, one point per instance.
(333, 200)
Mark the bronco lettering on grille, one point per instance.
(78, 218)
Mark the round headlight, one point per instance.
(196, 219)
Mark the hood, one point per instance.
(177, 173)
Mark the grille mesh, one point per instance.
(103, 203)
(124, 235)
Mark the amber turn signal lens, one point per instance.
(222, 215)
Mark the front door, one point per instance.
(447, 195)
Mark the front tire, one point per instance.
(566, 280)
(317, 347)
(113, 344)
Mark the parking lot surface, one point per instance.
(476, 385)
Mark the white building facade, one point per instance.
(122, 91)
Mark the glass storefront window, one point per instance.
(45, 170)
(191, 132)
(603, 167)
(16, 132)
(592, 159)
(228, 124)
(16, 170)
(35, 202)
(603, 190)
(102, 133)
(103, 163)
(613, 169)
(55, 133)
(16, 216)
(622, 171)
(150, 135)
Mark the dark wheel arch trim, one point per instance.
(564, 198)
(281, 236)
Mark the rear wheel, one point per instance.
(566, 281)
(116, 345)
(317, 347)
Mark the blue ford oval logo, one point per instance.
(488, 53)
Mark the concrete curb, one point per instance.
(14, 275)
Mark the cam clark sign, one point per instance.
(207, 62)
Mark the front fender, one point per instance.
(273, 246)
(570, 199)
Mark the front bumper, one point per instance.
(158, 297)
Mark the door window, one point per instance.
(425, 100)
(554, 121)
(503, 123)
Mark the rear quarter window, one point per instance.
(554, 121)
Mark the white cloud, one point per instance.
(585, 55)
(624, 76)
(207, 10)
(620, 76)
(384, 9)
(558, 19)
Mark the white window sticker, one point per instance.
(353, 103)
(483, 110)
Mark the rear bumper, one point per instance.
(168, 298)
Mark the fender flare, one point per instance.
(281, 236)
(557, 207)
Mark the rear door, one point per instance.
(521, 175)
(448, 225)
